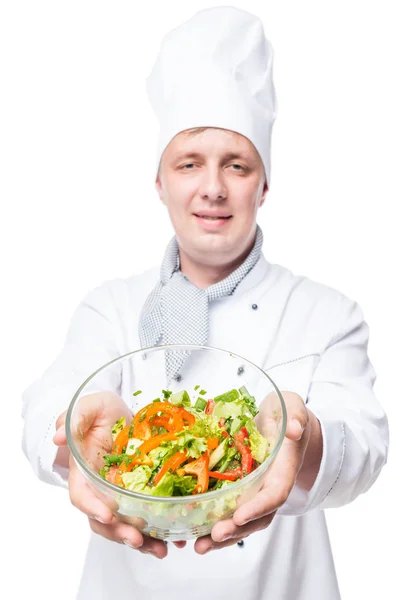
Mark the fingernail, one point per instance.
(299, 427)
(244, 522)
(129, 543)
(151, 554)
(224, 538)
(98, 519)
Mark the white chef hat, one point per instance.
(215, 70)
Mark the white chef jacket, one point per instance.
(312, 340)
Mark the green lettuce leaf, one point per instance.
(137, 480)
(184, 486)
(195, 446)
(259, 445)
(164, 488)
(206, 426)
(227, 410)
(161, 454)
(180, 398)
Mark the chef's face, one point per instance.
(212, 182)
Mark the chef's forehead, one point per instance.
(231, 141)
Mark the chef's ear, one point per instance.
(159, 185)
(264, 192)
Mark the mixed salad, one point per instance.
(174, 448)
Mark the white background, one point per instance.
(79, 206)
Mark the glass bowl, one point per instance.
(204, 368)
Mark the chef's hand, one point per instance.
(101, 410)
(297, 461)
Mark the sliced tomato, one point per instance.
(227, 475)
(114, 476)
(209, 409)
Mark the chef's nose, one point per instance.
(213, 185)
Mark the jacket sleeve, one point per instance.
(354, 425)
(91, 341)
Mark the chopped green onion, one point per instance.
(243, 391)
(227, 397)
(200, 404)
(137, 393)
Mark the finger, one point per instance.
(277, 486)
(117, 531)
(231, 536)
(61, 420)
(180, 544)
(206, 543)
(228, 529)
(60, 437)
(296, 427)
(120, 532)
(83, 497)
(297, 415)
(154, 547)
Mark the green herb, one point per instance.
(114, 459)
(196, 387)
(202, 392)
(166, 394)
(137, 393)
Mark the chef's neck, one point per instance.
(203, 275)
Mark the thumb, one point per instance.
(294, 430)
(297, 416)
(60, 438)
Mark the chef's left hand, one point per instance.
(298, 460)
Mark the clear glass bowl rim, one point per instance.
(173, 499)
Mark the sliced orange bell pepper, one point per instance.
(165, 422)
(155, 441)
(140, 457)
(212, 443)
(132, 461)
(172, 464)
(199, 468)
(141, 428)
(121, 440)
(142, 431)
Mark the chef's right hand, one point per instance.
(100, 411)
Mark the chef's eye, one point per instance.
(237, 167)
(188, 167)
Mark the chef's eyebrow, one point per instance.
(198, 155)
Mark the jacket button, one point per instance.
(254, 306)
(240, 371)
(240, 543)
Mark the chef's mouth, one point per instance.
(213, 218)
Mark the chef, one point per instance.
(212, 90)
